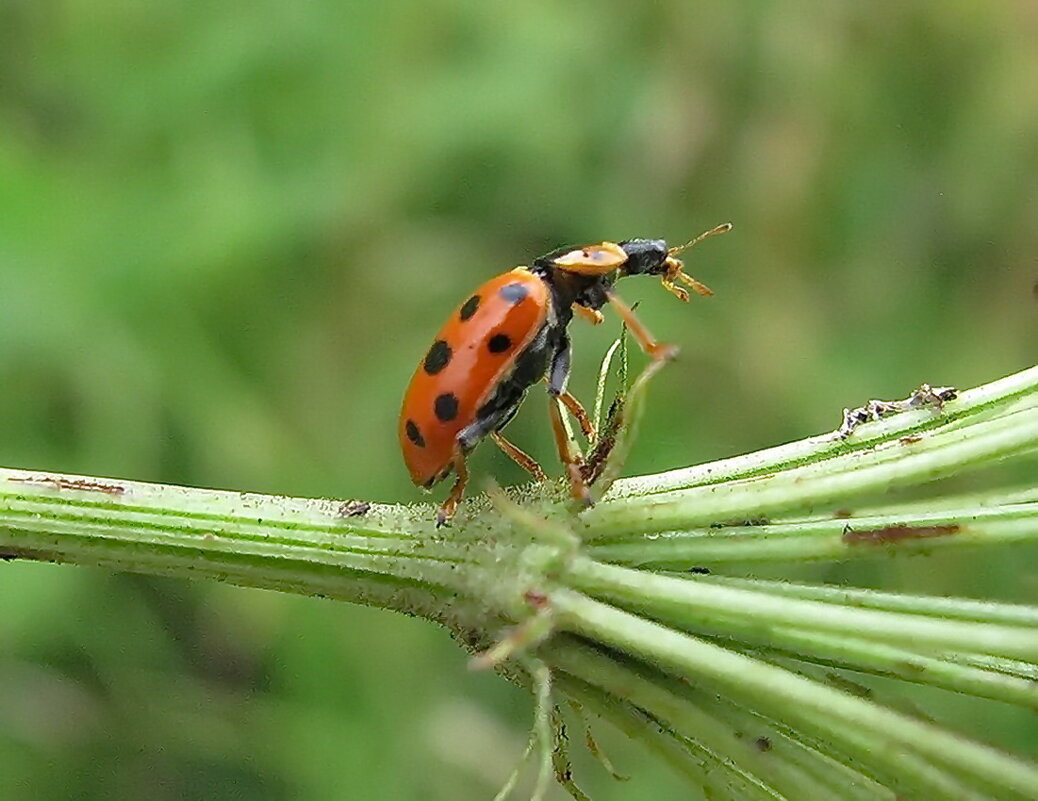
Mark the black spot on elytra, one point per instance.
(437, 357)
(514, 293)
(446, 406)
(414, 434)
(469, 308)
(499, 343)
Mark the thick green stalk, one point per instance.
(389, 557)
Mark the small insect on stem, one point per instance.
(924, 397)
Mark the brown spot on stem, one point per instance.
(898, 533)
(80, 484)
(9, 553)
(762, 744)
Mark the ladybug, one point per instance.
(508, 335)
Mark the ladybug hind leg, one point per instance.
(450, 506)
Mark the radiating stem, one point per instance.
(910, 753)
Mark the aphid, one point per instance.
(508, 335)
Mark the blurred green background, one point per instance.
(228, 232)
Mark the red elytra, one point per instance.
(473, 351)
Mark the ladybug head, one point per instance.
(653, 257)
(645, 257)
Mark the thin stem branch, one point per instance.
(980, 400)
(690, 602)
(806, 489)
(831, 539)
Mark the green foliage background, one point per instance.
(227, 232)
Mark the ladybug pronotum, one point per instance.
(508, 335)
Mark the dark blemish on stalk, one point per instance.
(897, 533)
(762, 744)
(80, 484)
(10, 553)
(911, 439)
(752, 521)
(353, 509)
(842, 514)
(845, 684)
(700, 571)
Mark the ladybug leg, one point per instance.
(579, 414)
(593, 316)
(558, 373)
(657, 351)
(557, 378)
(520, 457)
(450, 506)
(569, 459)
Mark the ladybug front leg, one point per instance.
(657, 351)
(450, 506)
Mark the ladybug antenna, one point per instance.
(723, 228)
(675, 269)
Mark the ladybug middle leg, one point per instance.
(557, 378)
(570, 460)
(558, 375)
(579, 414)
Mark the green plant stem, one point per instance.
(688, 718)
(807, 489)
(833, 539)
(906, 664)
(993, 397)
(389, 558)
(687, 664)
(942, 607)
(690, 602)
(911, 754)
